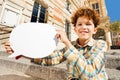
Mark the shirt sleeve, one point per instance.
(92, 65)
(55, 58)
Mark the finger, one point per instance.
(9, 51)
(58, 35)
(7, 44)
(7, 47)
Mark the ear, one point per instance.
(74, 28)
(95, 30)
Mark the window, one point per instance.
(68, 29)
(39, 13)
(35, 12)
(42, 14)
(96, 7)
(9, 16)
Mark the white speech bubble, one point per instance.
(34, 40)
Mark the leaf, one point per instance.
(115, 26)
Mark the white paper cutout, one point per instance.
(34, 40)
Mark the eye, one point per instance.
(79, 24)
(88, 24)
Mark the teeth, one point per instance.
(83, 31)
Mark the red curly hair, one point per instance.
(88, 13)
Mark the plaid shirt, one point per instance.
(84, 63)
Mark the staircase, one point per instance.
(57, 72)
(4, 34)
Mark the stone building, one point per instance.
(55, 12)
(103, 31)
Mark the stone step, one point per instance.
(3, 40)
(4, 34)
(113, 74)
(25, 66)
(10, 74)
(113, 61)
(58, 72)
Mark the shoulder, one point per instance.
(101, 44)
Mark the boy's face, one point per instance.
(85, 28)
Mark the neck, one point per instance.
(83, 42)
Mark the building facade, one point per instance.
(55, 12)
(103, 31)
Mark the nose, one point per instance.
(83, 26)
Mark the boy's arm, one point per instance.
(55, 58)
(92, 65)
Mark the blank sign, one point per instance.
(34, 40)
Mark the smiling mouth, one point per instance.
(83, 31)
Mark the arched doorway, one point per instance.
(100, 34)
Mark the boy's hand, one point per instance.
(8, 48)
(63, 37)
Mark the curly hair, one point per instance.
(88, 13)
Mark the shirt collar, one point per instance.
(90, 43)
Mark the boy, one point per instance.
(85, 58)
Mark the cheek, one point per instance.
(92, 30)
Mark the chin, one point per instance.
(83, 38)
